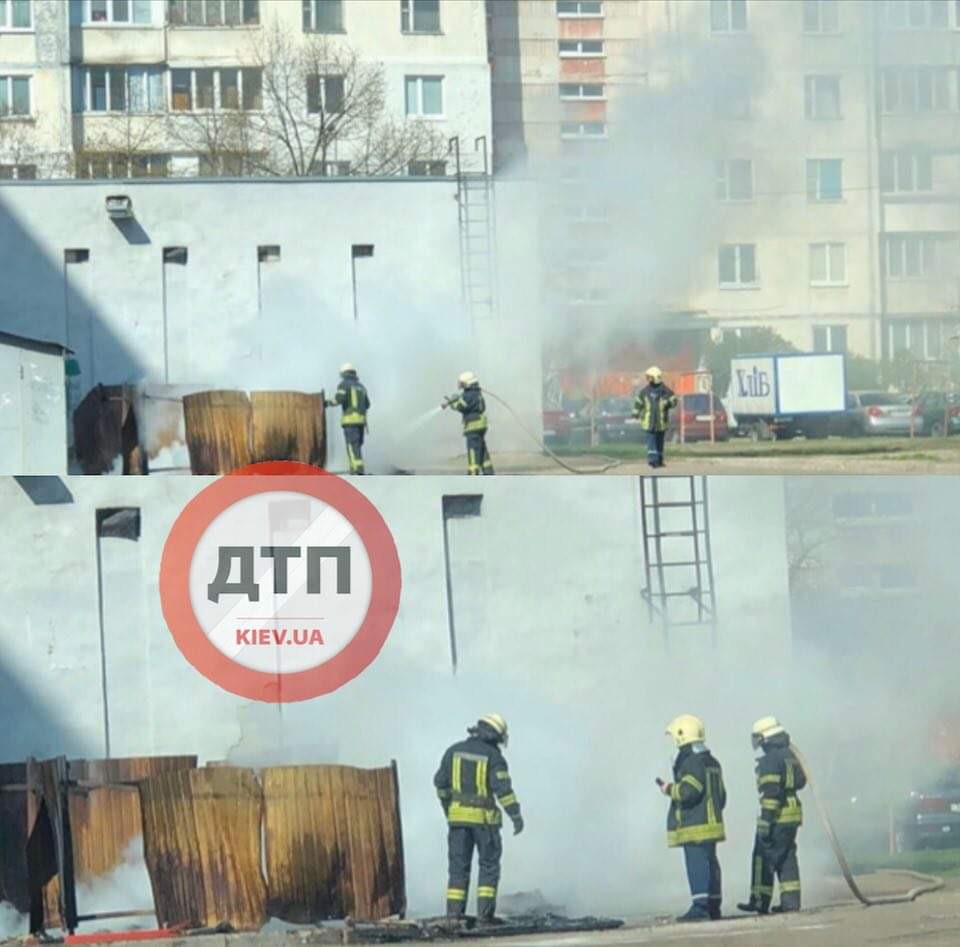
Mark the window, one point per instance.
(735, 179)
(18, 172)
(921, 89)
(323, 16)
(737, 264)
(910, 256)
(14, 96)
(915, 14)
(213, 13)
(583, 130)
(573, 8)
(115, 12)
(821, 16)
(732, 97)
(325, 94)
(906, 172)
(828, 264)
(822, 97)
(824, 179)
(830, 338)
(105, 165)
(420, 16)
(330, 169)
(424, 95)
(579, 48)
(581, 90)
(227, 165)
(921, 338)
(119, 89)
(15, 15)
(728, 16)
(427, 169)
(193, 90)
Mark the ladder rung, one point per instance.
(671, 565)
(660, 506)
(689, 624)
(691, 533)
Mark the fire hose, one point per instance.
(929, 882)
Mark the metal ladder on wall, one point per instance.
(678, 565)
(475, 208)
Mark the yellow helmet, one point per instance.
(765, 727)
(467, 378)
(496, 723)
(346, 367)
(686, 729)
(654, 373)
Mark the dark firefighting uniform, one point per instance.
(471, 405)
(695, 822)
(354, 401)
(779, 778)
(471, 780)
(652, 406)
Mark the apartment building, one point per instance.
(816, 141)
(151, 88)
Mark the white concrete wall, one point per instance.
(233, 322)
(553, 634)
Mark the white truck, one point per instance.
(783, 394)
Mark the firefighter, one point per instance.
(779, 778)
(652, 406)
(471, 780)
(352, 397)
(469, 402)
(695, 819)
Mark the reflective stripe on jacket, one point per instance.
(352, 397)
(652, 406)
(471, 780)
(779, 778)
(471, 405)
(697, 799)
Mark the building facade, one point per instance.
(151, 88)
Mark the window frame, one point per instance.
(7, 25)
(87, 21)
(891, 165)
(738, 265)
(580, 134)
(725, 177)
(321, 80)
(817, 197)
(729, 6)
(16, 171)
(578, 15)
(419, 79)
(602, 97)
(831, 330)
(431, 162)
(217, 88)
(7, 78)
(241, 24)
(811, 98)
(313, 6)
(579, 53)
(927, 6)
(408, 16)
(819, 5)
(917, 73)
(83, 76)
(926, 255)
(112, 157)
(829, 280)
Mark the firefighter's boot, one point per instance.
(699, 911)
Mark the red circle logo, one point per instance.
(280, 589)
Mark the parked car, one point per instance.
(694, 411)
(884, 413)
(568, 424)
(940, 411)
(849, 423)
(930, 816)
(615, 422)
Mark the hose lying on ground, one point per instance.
(577, 470)
(930, 882)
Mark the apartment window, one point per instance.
(583, 130)
(14, 96)
(828, 264)
(427, 169)
(330, 169)
(325, 94)
(579, 48)
(821, 16)
(915, 14)
(323, 16)
(822, 97)
(824, 179)
(581, 90)
(911, 256)
(906, 172)
(226, 165)
(213, 13)
(735, 179)
(424, 95)
(194, 90)
(420, 16)
(737, 264)
(830, 338)
(119, 89)
(732, 97)
(15, 15)
(921, 338)
(576, 8)
(116, 12)
(921, 89)
(103, 165)
(728, 16)
(18, 172)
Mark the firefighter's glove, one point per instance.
(518, 825)
(666, 788)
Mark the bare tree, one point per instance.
(18, 149)
(122, 146)
(224, 140)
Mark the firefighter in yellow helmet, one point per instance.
(469, 402)
(652, 407)
(779, 778)
(471, 780)
(695, 818)
(354, 401)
